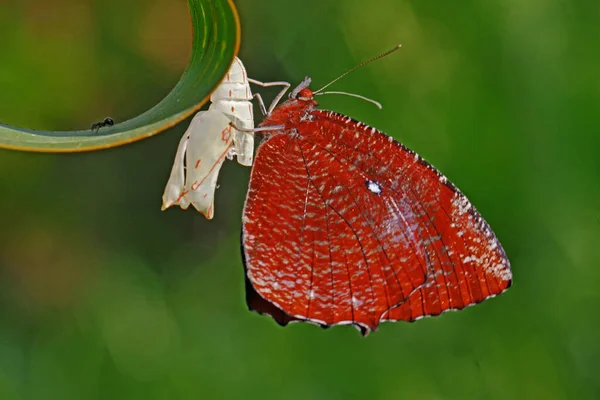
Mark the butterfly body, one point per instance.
(344, 225)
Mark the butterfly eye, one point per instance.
(305, 94)
(294, 94)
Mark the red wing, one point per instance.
(343, 225)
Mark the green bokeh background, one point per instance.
(102, 296)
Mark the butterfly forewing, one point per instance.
(463, 259)
(344, 225)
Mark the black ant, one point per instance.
(107, 122)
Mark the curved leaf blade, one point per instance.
(216, 40)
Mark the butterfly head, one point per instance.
(301, 98)
(295, 110)
(305, 94)
(302, 92)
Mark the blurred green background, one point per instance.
(102, 296)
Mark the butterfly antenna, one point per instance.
(378, 104)
(362, 64)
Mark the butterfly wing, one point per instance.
(199, 157)
(344, 225)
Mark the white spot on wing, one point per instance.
(373, 187)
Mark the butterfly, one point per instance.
(343, 225)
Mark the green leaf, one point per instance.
(216, 38)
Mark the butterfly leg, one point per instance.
(286, 86)
(259, 129)
(261, 103)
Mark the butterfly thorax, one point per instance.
(291, 113)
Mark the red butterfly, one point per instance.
(344, 225)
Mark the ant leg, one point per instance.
(259, 129)
(286, 86)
